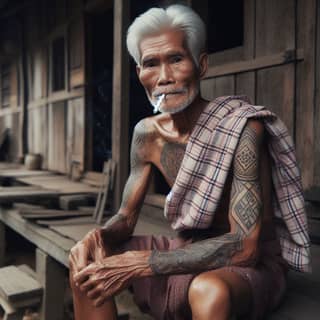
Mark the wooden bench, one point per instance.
(19, 289)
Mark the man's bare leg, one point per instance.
(219, 294)
(84, 308)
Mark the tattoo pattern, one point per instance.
(245, 207)
(171, 158)
(246, 201)
(199, 256)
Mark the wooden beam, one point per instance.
(2, 244)
(284, 57)
(51, 275)
(120, 98)
(49, 241)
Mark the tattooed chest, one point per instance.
(170, 159)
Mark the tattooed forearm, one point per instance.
(199, 256)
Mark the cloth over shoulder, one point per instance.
(195, 195)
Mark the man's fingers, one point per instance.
(87, 285)
(79, 257)
(94, 293)
(99, 301)
(81, 276)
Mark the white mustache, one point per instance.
(157, 94)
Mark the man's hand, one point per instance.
(91, 248)
(103, 279)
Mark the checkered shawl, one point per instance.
(196, 193)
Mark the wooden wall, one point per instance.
(276, 68)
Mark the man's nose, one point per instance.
(165, 75)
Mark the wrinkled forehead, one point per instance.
(164, 40)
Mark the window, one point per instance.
(5, 79)
(224, 22)
(58, 64)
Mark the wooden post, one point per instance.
(2, 243)
(120, 98)
(51, 275)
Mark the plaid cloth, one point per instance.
(196, 193)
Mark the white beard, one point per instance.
(177, 109)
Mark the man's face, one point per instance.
(167, 67)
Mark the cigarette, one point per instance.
(157, 105)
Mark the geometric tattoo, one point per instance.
(245, 210)
(246, 203)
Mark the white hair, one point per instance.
(177, 17)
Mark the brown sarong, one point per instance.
(166, 297)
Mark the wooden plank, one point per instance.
(38, 133)
(19, 173)
(75, 232)
(120, 98)
(50, 213)
(275, 26)
(207, 89)
(76, 133)
(52, 276)
(59, 182)
(268, 61)
(305, 93)
(49, 241)
(275, 90)
(317, 105)
(224, 86)
(13, 196)
(67, 222)
(17, 285)
(245, 85)
(57, 137)
(2, 244)
(72, 202)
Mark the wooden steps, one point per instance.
(18, 289)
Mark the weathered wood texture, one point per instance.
(317, 104)
(52, 276)
(38, 133)
(12, 121)
(17, 286)
(47, 240)
(120, 98)
(278, 70)
(305, 135)
(57, 137)
(75, 133)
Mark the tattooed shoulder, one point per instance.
(143, 135)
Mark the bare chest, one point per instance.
(168, 159)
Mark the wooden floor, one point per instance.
(302, 300)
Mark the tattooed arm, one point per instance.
(121, 226)
(95, 245)
(239, 246)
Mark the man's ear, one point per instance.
(138, 69)
(203, 64)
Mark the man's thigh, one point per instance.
(164, 297)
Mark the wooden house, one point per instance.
(68, 89)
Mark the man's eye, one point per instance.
(149, 64)
(176, 59)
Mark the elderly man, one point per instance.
(233, 175)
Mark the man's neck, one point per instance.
(185, 120)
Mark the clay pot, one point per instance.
(33, 161)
